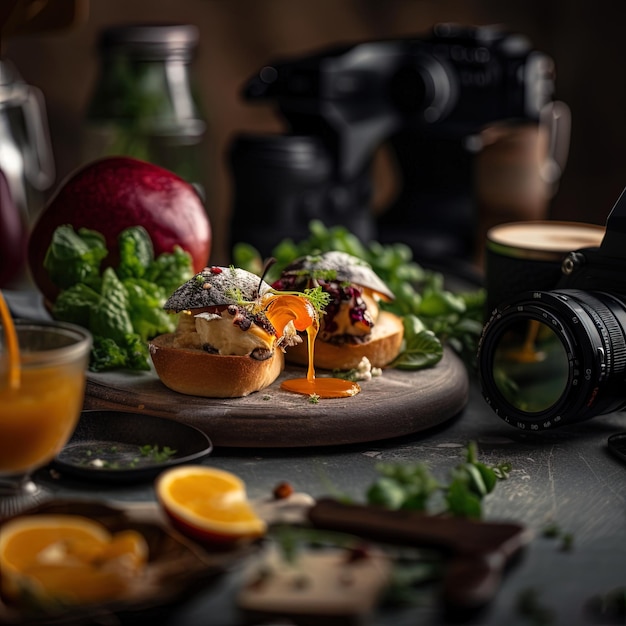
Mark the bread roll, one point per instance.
(194, 371)
(381, 348)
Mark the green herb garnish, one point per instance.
(318, 298)
(123, 456)
(414, 487)
(454, 319)
(155, 453)
(554, 531)
(122, 306)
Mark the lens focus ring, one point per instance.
(608, 326)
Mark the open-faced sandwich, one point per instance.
(353, 325)
(231, 334)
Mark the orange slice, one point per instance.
(208, 504)
(67, 559)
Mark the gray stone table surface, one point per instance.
(565, 478)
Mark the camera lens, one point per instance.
(551, 358)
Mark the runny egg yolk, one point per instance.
(283, 309)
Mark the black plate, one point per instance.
(119, 446)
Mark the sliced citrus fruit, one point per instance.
(67, 559)
(208, 504)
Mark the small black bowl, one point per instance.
(123, 447)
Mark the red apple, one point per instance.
(114, 193)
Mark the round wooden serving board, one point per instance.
(392, 405)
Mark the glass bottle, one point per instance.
(143, 103)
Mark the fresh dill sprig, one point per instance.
(318, 298)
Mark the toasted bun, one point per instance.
(215, 286)
(346, 268)
(382, 347)
(198, 373)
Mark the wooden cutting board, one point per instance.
(395, 404)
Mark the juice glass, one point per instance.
(38, 416)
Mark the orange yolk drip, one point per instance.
(285, 308)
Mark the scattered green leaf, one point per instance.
(402, 486)
(455, 319)
(554, 531)
(122, 306)
(157, 453)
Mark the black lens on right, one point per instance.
(548, 359)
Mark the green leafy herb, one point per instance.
(110, 317)
(421, 347)
(75, 257)
(554, 531)
(455, 319)
(136, 253)
(402, 486)
(122, 306)
(75, 304)
(122, 456)
(156, 453)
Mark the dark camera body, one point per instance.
(556, 357)
(422, 96)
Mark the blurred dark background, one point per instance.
(238, 36)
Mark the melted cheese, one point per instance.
(186, 335)
(288, 314)
(218, 331)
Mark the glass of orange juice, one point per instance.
(39, 412)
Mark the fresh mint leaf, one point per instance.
(145, 308)
(403, 486)
(75, 304)
(462, 502)
(106, 355)
(130, 353)
(170, 270)
(75, 256)
(110, 318)
(440, 302)
(122, 306)
(421, 348)
(136, 252)
(414, 487)
(386, 492)
(136, 349)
